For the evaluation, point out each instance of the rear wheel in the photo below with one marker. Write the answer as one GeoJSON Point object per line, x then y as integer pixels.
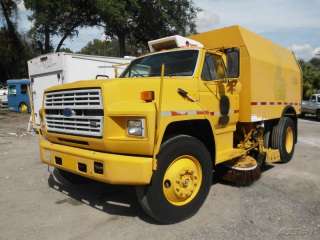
{"type": "Point", "coordinates": [283, 138]}
{"type": "Point", "coordinates": [318, 114]}
{"type": "Point", "coordinates": [181, 183]}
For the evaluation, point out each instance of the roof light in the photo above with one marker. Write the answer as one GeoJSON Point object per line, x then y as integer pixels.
{"type": "Point", "coordinates": [170, 42]}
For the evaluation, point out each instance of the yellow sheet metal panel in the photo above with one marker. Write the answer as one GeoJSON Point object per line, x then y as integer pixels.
{"type": "Point", "coordinates": [117, 169]}
{"type": "Point", "coordinates": [269, 74]}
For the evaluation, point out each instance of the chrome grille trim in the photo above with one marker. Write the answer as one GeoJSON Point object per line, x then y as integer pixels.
{"type": "Point", "coordinates": [87, 118]}
{"type": "Point", "coordinates": [75, 99]}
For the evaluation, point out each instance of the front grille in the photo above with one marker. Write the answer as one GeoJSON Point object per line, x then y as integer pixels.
{"type": "Point", "coordinates": [76, 112]}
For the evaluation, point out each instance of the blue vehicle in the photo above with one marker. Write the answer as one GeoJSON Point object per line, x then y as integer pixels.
{"type": "Point", "coordinates": [18, 98]}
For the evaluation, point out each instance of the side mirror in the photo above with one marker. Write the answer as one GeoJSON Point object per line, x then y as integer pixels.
{"type": "Point", "coordinates": [233, 62]}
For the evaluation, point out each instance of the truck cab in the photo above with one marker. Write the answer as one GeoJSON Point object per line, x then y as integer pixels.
{"type": "Point", "coordinates": [224, 99]}
{"type": "Point", "coordinates": [18, 98]}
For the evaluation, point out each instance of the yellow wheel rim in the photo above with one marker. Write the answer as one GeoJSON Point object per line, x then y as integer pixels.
{"type": "Point", "coordinates": [182, 180]}
{"type": "Point", "coordinates": [289, 139]}
{"type": "Point", "coordinates": [23, 108]}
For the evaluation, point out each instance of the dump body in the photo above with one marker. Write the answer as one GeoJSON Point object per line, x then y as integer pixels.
{"type": "Point", "coordinates": [270, 76]}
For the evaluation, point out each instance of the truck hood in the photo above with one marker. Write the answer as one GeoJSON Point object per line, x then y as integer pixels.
{"type": "Point", "coordinates": [117, 90]}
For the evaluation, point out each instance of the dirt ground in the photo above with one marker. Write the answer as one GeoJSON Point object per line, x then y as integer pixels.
{"type": "Point", "coordinates": [283, 204]}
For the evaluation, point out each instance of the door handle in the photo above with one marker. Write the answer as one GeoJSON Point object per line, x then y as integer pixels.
{"type": "Point", "coordinates": [185, 94]}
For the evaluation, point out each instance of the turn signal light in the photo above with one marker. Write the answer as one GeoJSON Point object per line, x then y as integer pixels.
{"type": "Point", "coordinates": [147, 96]}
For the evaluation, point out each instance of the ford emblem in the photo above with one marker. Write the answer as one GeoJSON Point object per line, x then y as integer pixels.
{"type": "Point", "coordinates": [67, 112]}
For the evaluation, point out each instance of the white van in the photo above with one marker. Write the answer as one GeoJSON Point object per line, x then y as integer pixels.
{"type": "Point", "coordinates": [59, 68]}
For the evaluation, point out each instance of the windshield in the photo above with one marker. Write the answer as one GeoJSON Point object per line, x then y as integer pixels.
{"type": "Point", "coordinates": [177, 63]}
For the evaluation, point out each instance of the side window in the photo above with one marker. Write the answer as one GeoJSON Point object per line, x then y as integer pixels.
{"type": "Point", "coordinates": [313, 98]}
{"type": "Point", "coordinates": [233, 62]}
{"type": "Point", "coordinates": [24, 89]}
{"type": "Point", "coordinates": [318, 99]}
{"type": "Point", "coordinates": [213, 68]}
{"type": "Point", "coordinates": [12, 90]}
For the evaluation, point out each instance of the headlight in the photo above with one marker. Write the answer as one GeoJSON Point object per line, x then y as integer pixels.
{"type": "Point", "coordinates": [136, 127]}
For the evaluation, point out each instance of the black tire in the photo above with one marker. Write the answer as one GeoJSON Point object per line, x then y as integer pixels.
{"type": "Point", "coordinates": [318, 114]}
{"type": "Point", "coordinates": [267, 139]}
{"type": "Point", "coordinates": [152, 198]}
{"type": "Point", "coordinates": [72, 178]}
{"type": "Point", "coordinates": [278, 138]}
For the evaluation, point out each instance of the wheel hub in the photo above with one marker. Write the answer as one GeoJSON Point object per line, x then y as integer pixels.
{"type": "Point", "coordinates": [289, 140]}
{"type": "Point", "coordinates": [182, 180]}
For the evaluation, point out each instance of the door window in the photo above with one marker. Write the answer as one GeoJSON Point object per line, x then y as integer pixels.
{"type": "Point", "coordinates": [24, 89]}
{"type": "Point", "coordinates": [213, 68]}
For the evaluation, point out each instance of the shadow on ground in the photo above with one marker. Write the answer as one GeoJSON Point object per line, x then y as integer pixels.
{"type": "Point", "coordinates": [111, 199]}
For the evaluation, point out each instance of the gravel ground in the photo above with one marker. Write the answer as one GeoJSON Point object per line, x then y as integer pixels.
{"type": "Point", "coordinates": [283, 204]}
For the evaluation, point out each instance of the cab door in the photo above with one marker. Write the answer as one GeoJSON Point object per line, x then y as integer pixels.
{"type": "Point", "coordinates": [219, 93]}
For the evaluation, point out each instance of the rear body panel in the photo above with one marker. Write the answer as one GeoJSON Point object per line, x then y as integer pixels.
{"type": "Point", "coordinates": [270, 76]}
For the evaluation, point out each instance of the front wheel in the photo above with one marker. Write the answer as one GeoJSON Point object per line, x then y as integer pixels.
{"type": "Point", "coordinates": [23, 108]}
{"type": "Point", "coordinates": [181, 183]}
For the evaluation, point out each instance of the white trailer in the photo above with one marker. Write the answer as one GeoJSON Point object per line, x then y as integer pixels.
{"type": "Point", "coordinates": [59, 68]}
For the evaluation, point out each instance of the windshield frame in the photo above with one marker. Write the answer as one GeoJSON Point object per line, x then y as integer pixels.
{"type": "Point", "coordinates": [167, 51]}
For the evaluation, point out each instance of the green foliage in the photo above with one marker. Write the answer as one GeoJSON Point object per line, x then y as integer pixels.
{"type": "Point", "coordinates": [100, 48]}
{"type": "Point", "coordinates": [311, 77]}
{"type": "Point", "coordinates": [14, 48]}
{"type": "Point", "coordinates": [108, 48]}
{"type": "Point", "coordinates": [66, 50]}
{"type": "Point", "coordinates": [138, 21]}
{"type": "Point", "coordinates": [59, 18]}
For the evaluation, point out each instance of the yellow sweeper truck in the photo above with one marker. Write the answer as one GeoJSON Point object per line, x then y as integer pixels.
{"type": "Point", "coordinates": [221, 102]}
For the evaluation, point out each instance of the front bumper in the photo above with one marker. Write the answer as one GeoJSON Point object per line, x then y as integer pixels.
{"type": "Point", "coordinates": [117, 169]}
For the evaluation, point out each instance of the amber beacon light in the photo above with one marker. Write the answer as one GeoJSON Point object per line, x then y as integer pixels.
{"type": "Point", "coordinates": [147, 96]}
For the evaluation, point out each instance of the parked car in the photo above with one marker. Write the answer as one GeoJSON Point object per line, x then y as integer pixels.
{"type": "Point", "coordinates": [18, 98]}
{"type": "Point", "coordinates": [3, 97]}
{"type": "Point", "coordinates": [312, 106]}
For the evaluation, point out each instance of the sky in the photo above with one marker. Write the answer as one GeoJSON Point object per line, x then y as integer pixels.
{"type": "Point", "coordinates": [292, 23]}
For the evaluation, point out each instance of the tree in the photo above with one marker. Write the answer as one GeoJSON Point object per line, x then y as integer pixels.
{"type": "Point", "coordinates": [138, 21]}
{"type": "Point", "coordinates": [101, 48]}
{"type": "Point", "coordinates": [117, 17]}
{"type": "Point", "coordinates": [59, 18]}
{"type": "Point", "coordinates": [107, 48]}
{"type": "Point", "coordinates": [9, 10]}
{"type": "Point", "coordinates": [66, 50]}
{"type": "Point", "coordinates": [14, 49]}
{"type": "Point", "coordinates": [164, 17]}
{"type": "Point", "coordinates": [315, 62]}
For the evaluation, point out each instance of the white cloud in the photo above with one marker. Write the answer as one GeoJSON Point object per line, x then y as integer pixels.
{"type": "Point", "coordinates": [304, 51]}
{"type": "Point", "coordinates": [206, 20]}
{"type": "Point", "coordinates": [260, 16]}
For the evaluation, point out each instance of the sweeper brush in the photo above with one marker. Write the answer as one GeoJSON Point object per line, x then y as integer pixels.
{"type": "Point", "coordinates": [242, 171]}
